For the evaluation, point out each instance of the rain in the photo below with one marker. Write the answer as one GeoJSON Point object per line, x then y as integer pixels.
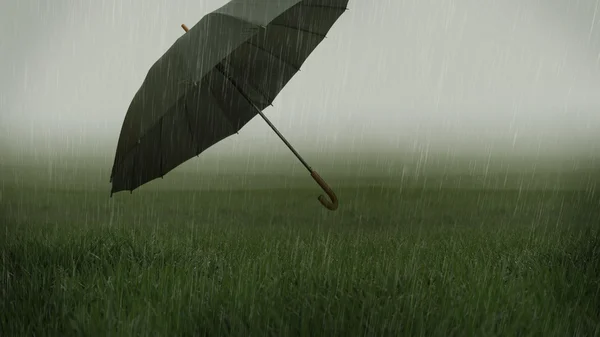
{"type": "Point", "coordinates": [462, 138]}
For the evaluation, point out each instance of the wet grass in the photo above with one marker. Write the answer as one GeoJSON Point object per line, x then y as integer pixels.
{"type": "Point", "coordinates": [393, 261]}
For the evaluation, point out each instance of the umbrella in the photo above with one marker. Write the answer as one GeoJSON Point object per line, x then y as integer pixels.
{"type": "Point", "coordinates": [214, 79]}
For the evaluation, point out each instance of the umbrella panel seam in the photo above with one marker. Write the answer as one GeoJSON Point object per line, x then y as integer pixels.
{"type": "Point", "coordinates": [297, 29]}
{"type": "Point", "coordinates": [250, 83]}
{"type": "Point", "coordinates": [221, 106]}
{"type": "Point", "coordinates": [269, 52]}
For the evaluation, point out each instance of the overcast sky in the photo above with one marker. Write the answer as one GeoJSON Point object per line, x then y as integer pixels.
{"type": "Point", "coordinates": [505, 74]}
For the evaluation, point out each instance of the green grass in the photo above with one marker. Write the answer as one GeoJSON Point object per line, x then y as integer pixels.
{"type": "Point", "coordinates": [402, 259]}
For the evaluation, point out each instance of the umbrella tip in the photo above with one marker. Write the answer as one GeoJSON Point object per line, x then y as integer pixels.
{"type": "Point", "coordinates": [185, 27]}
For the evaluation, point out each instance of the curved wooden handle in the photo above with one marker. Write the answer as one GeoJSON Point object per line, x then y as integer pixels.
{"type": "Point", "coordinates": [330, 205]}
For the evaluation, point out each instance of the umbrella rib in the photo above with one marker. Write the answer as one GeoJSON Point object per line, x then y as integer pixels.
{"type": "Point", "coordinates": [296, 68]}
{"type": "Point", "coordinates": [252, 84]}
{"type": "Point", "coordinates": [298, 29]}
{"type": "Point", "coordinates": [220, 103]}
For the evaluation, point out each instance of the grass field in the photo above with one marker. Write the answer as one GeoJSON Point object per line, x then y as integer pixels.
{"type": "Point", "coordinates": [432, 256]}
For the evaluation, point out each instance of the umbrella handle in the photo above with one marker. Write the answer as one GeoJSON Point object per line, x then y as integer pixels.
{"type": "Point", "coordinates": [330, 205]}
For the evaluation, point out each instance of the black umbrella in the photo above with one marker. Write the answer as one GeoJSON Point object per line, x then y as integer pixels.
{"type": "Point", "coordinates": [214, 79]}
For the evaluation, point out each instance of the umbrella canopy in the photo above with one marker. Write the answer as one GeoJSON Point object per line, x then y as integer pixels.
{"type": "Point", "coordinates": [215, 79]}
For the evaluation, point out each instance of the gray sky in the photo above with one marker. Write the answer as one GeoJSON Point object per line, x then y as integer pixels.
{"type": "Point", "coordinates": [511, 75]}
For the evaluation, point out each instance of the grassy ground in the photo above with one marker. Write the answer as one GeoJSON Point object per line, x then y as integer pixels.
{"type": "Point", "coordinates": [427, 256]}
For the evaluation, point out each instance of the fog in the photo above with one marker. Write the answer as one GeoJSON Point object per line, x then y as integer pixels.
{"type": "Point", "coordinates": [504, 76]}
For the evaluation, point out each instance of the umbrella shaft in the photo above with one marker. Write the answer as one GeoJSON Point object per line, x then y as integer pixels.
{"type": "Point", "coordinates": [284, 140]}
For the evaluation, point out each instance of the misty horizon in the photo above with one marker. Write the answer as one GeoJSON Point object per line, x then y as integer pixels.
{"type": "Point", "coordinates": [466, 77]}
